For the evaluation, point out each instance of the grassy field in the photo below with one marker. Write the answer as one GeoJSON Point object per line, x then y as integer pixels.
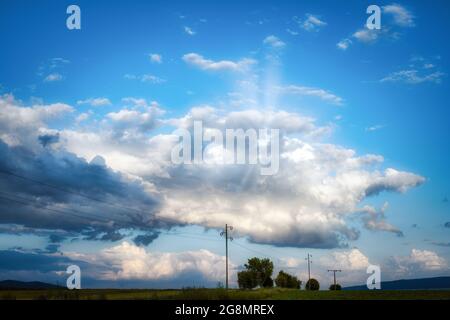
{"type": "Point", "coordinates": [221, 294]}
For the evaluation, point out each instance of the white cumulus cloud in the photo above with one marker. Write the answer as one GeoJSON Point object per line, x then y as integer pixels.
{"type": "Point", "coordinates": [129, 261]}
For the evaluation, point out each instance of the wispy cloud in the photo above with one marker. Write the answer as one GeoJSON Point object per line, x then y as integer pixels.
{"type": "Point", "coordinates": [311, 91]}
{"type": "Point", "coordinates": [145, 78]}
{"type": "Point", "coordinates": [419, 70]}
{"type": "Point", "coordinates": [53, 77]}
{"type": "Point", "coordinates": [312, 23]}
{"type": "Point", "coordinates": [366, 35]}
{"type": "Point", "coordinates": [155, 58]}
{"type": "Point", "coordinates": [292, 32]}
{"type": "Point", "coordinates": [274, 42]}
{"type": "Point", "coordinates": [52, 69]}
{"type": "Point", "coordinates": [413, 76]}
{"type": "Point", "coordinates": [375, 128]}
{"type": "Point", "coordinates": [402, 17]}
{"type": "Point", "coordinates": [362, 35]}
{"type": "Point", "coordinates": [344, 44]}
{"type": "Point", "coordinates": [189, 31]}
{"type": "Point", "coordinates": [57, 62]}
{"type": "Point", "coordinates": [95, 102]}
{"type": "Point", "coordinates": [199, 61]}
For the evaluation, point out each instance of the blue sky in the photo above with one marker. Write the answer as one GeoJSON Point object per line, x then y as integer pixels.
{"type": "Point", "coordinates": [354, 104]}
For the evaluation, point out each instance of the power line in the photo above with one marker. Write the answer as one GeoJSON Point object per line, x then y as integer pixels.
{"type": "Point", "coordinates": [48, 209]}
{"type": "Point", "coordinates": [262, 253]}
{"type": "Point", "coordinates": [256, 251]}
{"type": "Point", "coordinates": [26, 202]}
{"type": "Point", "coordinates": [37, 205]}
{"type": "Point", "coordinates": [52, 186]}
{"type": "Point", "coordinates": [190, 237]}
{"type": "Point", "coordinates": [16, 175]}
{"type": "Point", "coordinates": [195, 234]}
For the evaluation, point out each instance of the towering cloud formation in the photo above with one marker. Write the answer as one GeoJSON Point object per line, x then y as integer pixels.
{"type": "Point", "coordinates": [306, 204]}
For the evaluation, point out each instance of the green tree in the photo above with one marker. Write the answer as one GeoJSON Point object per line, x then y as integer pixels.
{"type": "Point", "coordinates": [285, 280]}
{"type": "Point", "coordinates": [263, 269]}
{"type": "Point", "coordinates": [268, 283]}
{"type": "Point", "coordinates": [336, 287]}
{"type": "Point", "coordinates": [312, 284]}
{"type": "Point", "coordinates": [247, 280]}
{"type": "Point", "coordinates": [258, 272]}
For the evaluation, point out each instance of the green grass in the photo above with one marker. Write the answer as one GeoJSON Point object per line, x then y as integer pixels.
{"type": "Point", "coordinates": [221, 294]}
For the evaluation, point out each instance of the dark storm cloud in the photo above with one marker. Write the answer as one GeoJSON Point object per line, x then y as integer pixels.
{"type": "Point", "coordinates": [56, 190]}
{"type": "Point", "coordinates": [52, 248]}
{"type": "Point", "coordinates": [145, 239]}
{"type": "Point", "coordinates": [56, 238]}
{"type": "Point", "coordinates": [16, 260]}
{"type": "Point", "coordinates": [48, 139]}
{"type": "Point", "coordinates": [38, 265]}
{"type": "Point", "coordinates": [112, 236]}
{"type": "Point", "coordinates": [311, 239]}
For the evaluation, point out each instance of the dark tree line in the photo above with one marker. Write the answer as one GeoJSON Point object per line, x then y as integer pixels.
{"type": "Point", "coordinates": [258, 273]}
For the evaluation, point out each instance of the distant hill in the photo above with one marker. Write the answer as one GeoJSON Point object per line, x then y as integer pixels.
{"type": "Point", "coordinates": [34, 285]}
{"type": "Point", "coordinates": [410, 284]}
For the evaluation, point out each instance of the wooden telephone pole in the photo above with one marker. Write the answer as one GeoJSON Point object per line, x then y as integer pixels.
{"type": "Point", "coordinates": [334, 275]}
{"type": "Point", "coordinates": [225, 234]}
{"type": "Point", "coordinates": [309, 265]}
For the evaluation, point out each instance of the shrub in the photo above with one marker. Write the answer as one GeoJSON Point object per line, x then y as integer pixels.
{"type": "Point", "coordinates": [336, 287]}
{"type": "Point", "coordinates": [312, 285]}
{"type": "Point", "coordinates": [285, 280]}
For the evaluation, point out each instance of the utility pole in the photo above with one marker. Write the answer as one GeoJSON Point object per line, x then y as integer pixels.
{"type": "Point", "coordinates": [334, 275]}
{"type": "Point", "coordinates": [309, 265]}
{"type": "Point", "coordinates": [225, 233]}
